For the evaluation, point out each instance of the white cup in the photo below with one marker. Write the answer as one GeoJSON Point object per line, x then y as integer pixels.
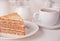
{"type": "Point", "coordinates": [47, 16]}
{"type": "Point", "coordinates": [24, 12]}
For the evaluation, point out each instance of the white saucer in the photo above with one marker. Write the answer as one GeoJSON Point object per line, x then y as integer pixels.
{"type": "Point", "coordinates": [31, 29]}
{"type": "Point", "coordinates": [56, 26]}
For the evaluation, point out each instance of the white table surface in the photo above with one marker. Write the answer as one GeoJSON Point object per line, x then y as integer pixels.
{"type": "Point", "coordinates": [42, 35]}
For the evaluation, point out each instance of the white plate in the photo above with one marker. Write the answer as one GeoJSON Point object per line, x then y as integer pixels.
{"type": "Point", "coordinates": [31, 29]}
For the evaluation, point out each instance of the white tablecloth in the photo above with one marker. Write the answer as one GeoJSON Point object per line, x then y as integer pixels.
{"type": "Point", "coordinates": [42, 35]}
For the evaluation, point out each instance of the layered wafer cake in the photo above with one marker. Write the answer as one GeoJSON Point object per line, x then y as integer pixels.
{"type": "Point", "coordinates": [12, 24]}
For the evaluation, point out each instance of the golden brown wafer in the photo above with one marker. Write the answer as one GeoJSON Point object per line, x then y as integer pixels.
{"type": "Point", "coordinates": [12, 24]}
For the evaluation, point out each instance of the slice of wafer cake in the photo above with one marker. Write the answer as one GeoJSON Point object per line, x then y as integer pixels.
{"type": "Point", "coordinates": [12, 24]}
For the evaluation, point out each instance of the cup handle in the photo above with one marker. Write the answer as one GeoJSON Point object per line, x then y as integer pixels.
{"type": "Point", "coordinates": [35, 16]}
